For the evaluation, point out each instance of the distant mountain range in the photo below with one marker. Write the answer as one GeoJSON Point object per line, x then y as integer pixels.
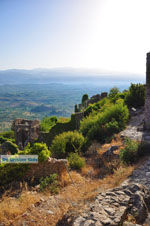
{"type": "Point", "coordinates": [65, 75]}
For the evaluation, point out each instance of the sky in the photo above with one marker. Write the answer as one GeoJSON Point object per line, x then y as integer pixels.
{"type": "Point", "coordinates": [102, 35]}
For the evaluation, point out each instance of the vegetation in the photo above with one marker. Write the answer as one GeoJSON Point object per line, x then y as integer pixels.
{"type": "Point", "coordinates": [8, 134]}
{"type": "Point", "coordinates": [66, 143]}
{"type": "Point", "coordinates": [102, 120]}
{"type": "Point", "coordinates": [11, 172]}
{"type": "Point", "coordinates": [129, 154]}
{"type": "Point", "coordinates": [113, 92]}
{"type": "Point", "coordinates": [47, 123]}
{"type": "Point", "coordinates": [39, 149]}
{"type": "Point", "coordinates": [97, 106]}
{"type": "Point", "coordinates": [51, 183]}
{"type": "Point", "coordinates": [111, 120]}
{"type": "Point", "coordinates": [11, 147]}
{"type": "Point", "coordinates": [136, 95]}
{"type": "Point", "coordinates": [2, 139]}
{"type": "Point", "coordinates": [75, 161]}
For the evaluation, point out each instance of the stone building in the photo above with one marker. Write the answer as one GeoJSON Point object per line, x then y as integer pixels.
{"type": "Point", "coordinates": [147, 98]}
{"type": "Point", "coordinates": [25, 131]}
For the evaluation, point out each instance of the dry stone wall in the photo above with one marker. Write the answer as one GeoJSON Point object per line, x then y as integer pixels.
{"type": "Point", "coordinates": [52, 165]}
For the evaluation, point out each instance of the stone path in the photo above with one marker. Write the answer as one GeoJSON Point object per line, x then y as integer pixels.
{"type": "Point", "coordinates": [131, 198]}
{"type": "Point", "coordinates": [134, 129]}
{"type": "Point", "coordinates": [141, 174]}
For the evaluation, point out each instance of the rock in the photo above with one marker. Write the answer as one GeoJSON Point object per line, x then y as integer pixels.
{"type": "Point", "coordinates": [130, 224]}
{"type": "Point", "coordinates": [42, 200]}
{"type": "Point", "coordinates": [110, 152]}
{"type": "Point", "coordinates": [148, 174]}
{"type": "Point", "coordinates": [50, 212]}
{"type": "Point", "coordinates": [112, 207]}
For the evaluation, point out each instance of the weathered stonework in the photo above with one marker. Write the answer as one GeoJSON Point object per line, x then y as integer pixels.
{"type": "Point", "coordinates": [147, 99]}
{"type": "Point", "coordinates": [78, 117]}
{"type": "Point", "coordinates": [112, 207]}
{"type": "Point", "coordinates": [25, 131]}
{"type": "Point", "coordinates": [92, 100]}
{"type": "Point", "coordinates": [43, 169]}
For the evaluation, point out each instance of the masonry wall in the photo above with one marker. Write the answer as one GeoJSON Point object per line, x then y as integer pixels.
{"type": "Point", "coordinates": [147, 99]}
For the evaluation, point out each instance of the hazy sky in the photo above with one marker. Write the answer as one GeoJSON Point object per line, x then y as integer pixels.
{"type": "Point", "coordinates": [112, 35]}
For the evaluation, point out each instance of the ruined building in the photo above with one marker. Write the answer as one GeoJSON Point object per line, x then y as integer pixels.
{"type": "Point", "coordinates": [25, 131]}
{"type": "Point", "coordinates": [147, 98]}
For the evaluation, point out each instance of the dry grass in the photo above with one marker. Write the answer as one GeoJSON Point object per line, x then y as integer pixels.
{"type": "Point", "coordinates": [77, 190]}
{"type": "Point", "coordinates": [74, 197]}
{"type": "Point", "coordinates": [12, 207]}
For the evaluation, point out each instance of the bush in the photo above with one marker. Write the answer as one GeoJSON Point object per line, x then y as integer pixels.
{"type": "Point", "coordinates": [97, 106]}
{"type": "Point", "coordinates": [11, 172]}
{"type": "Point", "coordinates": [39, 149]}
{"type": "Point", "coordinates": [10, 147]}
{"type": "Point", "coordinates": [47, 123]}
{"type": "Point", "coordinates": [50, 182]}
{"type": "Point", "coordinates": [65, 143]}
{"type": "Point", "coordinates": [2, 139]}
{"type": "Point", "coordinates": [119, 96]}
{"type": "Point", "coordinates": [75, 161]}
{"type": "Point", "coordinates": [8, 134]}
{"type": "Point", "coordinates": [112, 120]}
{"type": "Point", "coordinates": [136, 96]}
{"type": "Point", "coordinates": [129, 154]}
{"type": "Point", "coordinates": [113, 92]}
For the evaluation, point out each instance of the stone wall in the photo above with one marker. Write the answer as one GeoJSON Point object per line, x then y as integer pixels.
{"type": "Point", "coordinates": [147, 99]}
{"type": "Point", "coordinates": [25, 131]}
{"type": "Point", "coordinates": [92, 100]}
{"type": "Point", "coordinates": [52, 165]}
{"type": "Point", "coordinates": [78, 117]}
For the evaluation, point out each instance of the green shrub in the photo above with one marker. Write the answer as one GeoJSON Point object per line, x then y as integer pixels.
{"type": "Point", "coordinates": [50, 182]}
{"type": "Point", "coordinates": [47, 123]}
{"type": "Point", "coordinates": [10, 147]}
{"type": "Point", "coordinates": [119, 96]}
{"type": "Point", "coordinates": [65, 143]}
{"type": "Point", "coordinates": [75, 161]}
{"type": "Point", "coordinates": [105, 102]}
{"type": "Point", "coordinates": [113, 92]}
{"type": "Point", "coordinates": [8, 134]}
{"type": "Point", "coordinates": [118, 112]}
{"type": "Point", "coordinates": [112, 120]}
{"type": "Point", "coordinates": [39, 149]}
{"type": "Point", "coordinates": [11, 172]}
{"type": "Point", "coordinates": [129, 154]}
{"type": "Point", "coordinates": [136, 95]}
{"type": "Point", "coordinates": [2, 139]}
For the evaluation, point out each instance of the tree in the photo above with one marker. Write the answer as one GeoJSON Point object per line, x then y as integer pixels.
{"type": "Point", "coordinates": [113, 92]}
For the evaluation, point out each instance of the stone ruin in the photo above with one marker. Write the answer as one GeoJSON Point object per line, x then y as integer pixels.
{"type": "Point", "coordinates": [80, 108]}
{"type": "Point", "coordinates": [147, 98]}
{"type": "Point", "coordinates": [92, 100]}
{"type": "Point", "coordinates": [43, 169]}
{"type": "Point", "coordinates": [25, 131]}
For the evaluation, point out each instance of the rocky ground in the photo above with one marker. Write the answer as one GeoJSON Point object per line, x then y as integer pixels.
{"type": "Point", "coordinates": [129, 201]}
{"type": "Point", "coordinates": [134, 129]}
